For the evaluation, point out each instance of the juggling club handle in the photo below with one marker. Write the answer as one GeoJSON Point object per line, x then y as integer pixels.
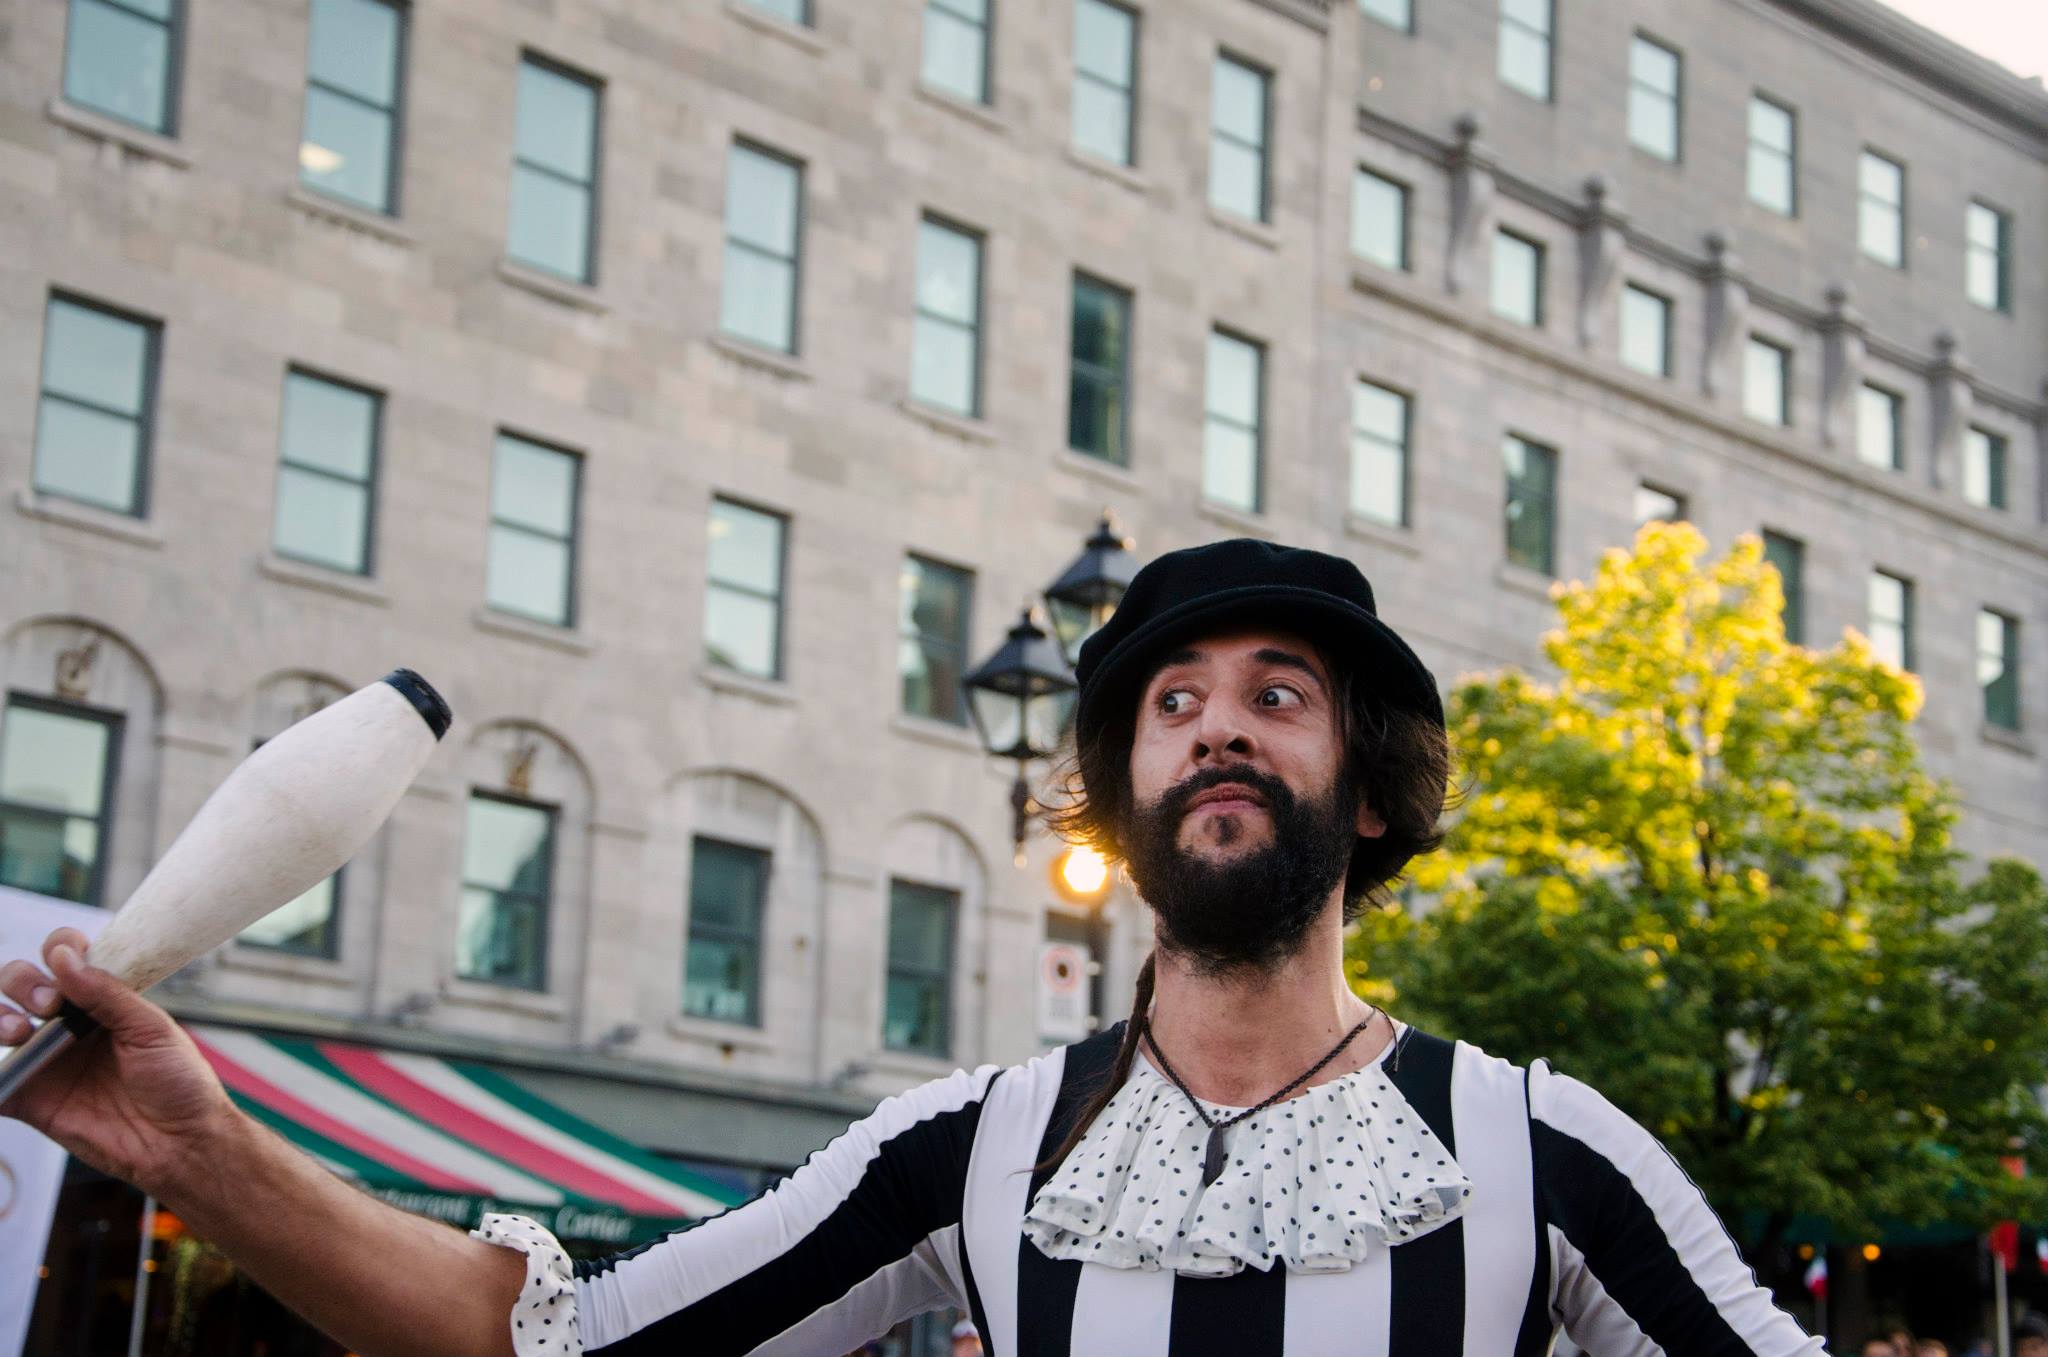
{"type": "Point", "coordinates": [52, 1039]}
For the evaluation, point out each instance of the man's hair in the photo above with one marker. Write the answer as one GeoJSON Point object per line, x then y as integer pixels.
{"type": "Point", "coordinates": [1398, 761]}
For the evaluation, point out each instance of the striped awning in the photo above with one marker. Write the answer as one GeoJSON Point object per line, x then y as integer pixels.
{"type": "Point", "coordinates": [453, 1139]}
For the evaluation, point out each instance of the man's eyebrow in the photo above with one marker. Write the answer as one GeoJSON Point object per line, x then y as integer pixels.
{"type": "Point", "coordinates": [1188, 655]}
{"type": "Point", "coordinates": [1289, 660]}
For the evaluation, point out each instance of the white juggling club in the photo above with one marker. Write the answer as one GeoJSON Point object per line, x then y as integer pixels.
{"type": "Point", "coordinates": [290, 814]}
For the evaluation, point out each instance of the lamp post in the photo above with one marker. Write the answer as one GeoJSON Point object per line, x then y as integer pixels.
{"type": "Point", "coordinates": [1020, 698]}
{"type": "Point", "coordinates": [1088, 590]}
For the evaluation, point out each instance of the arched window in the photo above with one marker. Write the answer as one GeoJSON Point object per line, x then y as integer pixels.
{"type": "Point", "coordinates": [933, 967]}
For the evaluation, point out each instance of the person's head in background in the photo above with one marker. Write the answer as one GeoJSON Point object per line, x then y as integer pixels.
{"type": "Point", "coordinates": [2030, 1335]}
{"type": "Point", "coordinates": [1930, 1347]}
{"type": "Point", "coordinates": [966, 1340]}
{"type": "Point", "coordinates": [1877, 1345]}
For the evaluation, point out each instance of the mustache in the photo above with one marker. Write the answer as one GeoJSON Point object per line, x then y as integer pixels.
{"type": "Point", "coordinates": [1176, 801]}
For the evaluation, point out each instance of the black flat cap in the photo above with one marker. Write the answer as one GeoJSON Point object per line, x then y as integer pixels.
{"type": "Point", "coordinates": [1247, 582]}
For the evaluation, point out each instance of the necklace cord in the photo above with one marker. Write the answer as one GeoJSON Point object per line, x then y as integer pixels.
{"type": "Point", "coordinates": [1296, 1083]}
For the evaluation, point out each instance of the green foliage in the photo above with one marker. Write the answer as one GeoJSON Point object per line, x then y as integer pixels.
{"type": "Point", "coordinates": [1705, 872]}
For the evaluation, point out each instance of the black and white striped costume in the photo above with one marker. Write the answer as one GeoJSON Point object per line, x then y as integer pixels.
{"type": "Point", "coordinates": [1576, 1218]}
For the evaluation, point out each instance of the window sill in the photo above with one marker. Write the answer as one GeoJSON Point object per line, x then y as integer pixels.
{"type": "Point", "coordinates": [785, 365]}
{"type": "Point", "coordinates": [1095, 468]}
{"type": "Point", "coordinates": [315, 970]}
{"type": "Point", "coordinates": [309, 576]}
{"type": "Point", "coordinates": [360, 219]}
{"type": "Point", "coordinates": [1257, 232]}
{"type": "Point", "coordinates": [928, 730]}
{"type": "Point", "coordinates": [732, 1036]}
{"type": "Point", "coordinates": [143, 143]}
{"type": "Point", "coordinates": [582, 296]}
{"type": "Point", "coordinates": [796, 34]}
{"type": "Point", "coordinates": [565, 639]}
{"type": "Point", "coordinates": [773, 692]}
{"type": "Point", "coordinates": [1386, 535]}
{"type": "Point", "coordinates": [1246, 522]}
{"type": "Point", "coordinates": [107, 523]}
{"type": "Point", "coordinates": [1522, 579]}
{"type": "Point", "coordinates": [2014, 740]}
{"type": "Point", "coordinates": [503, 998]}
{"type": "Point", "coordinates": [1121, 175]}
{"type": "Point", "coordinates": [973, 428]}
{"type": "Point", "coordinates": [981, 114]}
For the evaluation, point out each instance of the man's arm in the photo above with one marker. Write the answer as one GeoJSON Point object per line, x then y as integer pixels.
{"type": "Point", "coordinates": [140, 1102]}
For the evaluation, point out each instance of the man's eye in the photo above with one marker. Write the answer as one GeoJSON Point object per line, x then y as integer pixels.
{"type": "Point", "coordinates": [1277, 696]}
{"type": "Point", "coordinates": [1175, 701]}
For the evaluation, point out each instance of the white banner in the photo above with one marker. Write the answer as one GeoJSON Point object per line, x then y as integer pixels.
{"type": "Point", "coordinates": [31, 1167]}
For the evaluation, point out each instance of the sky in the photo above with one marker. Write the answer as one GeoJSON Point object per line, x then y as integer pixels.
{"type": "Point", "coordinates": [2013, 33]}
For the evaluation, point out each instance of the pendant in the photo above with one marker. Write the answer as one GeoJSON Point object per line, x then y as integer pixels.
{"type": "Point", "coordinates": [1212, 1158]}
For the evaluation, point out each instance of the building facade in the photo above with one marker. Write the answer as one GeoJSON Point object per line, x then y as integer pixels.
{"type": "Point", "coordinates": [691, 390]}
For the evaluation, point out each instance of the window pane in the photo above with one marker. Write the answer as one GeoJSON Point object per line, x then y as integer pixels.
{"type": "Point", "coordinates": [1764, 382]}
{"type": "Point", "coordinates": [1788, 555]}
{"type": "Point", "coordinates": [1531, 483]}
{"type": "Point", "coordinates": [1237, 102]}
{"type": "Point", "coordinates": [1095, 416]}
{"type": "Point", "coordinates": [85, 455]}
{"type": "Point", "coordinates": [915, 1017]}
{"type": "Point", "coordinates": [1379, 421]}
{"type": "Point", "coordinates": [1102, 121]}
{"type": "Point", "coordinates": [346, 150]}
{"type": "Point", "coordinates": [1379, 220]}
{"type": "Point", "coordinates": [727, 885]}
{"type": "Point", "coordinates": [1393, 13]}
{"type": "Point", "coordinates": [328, 426]}
{"type": "Point", "coordinates": [49, 854]}
{"type": "Point", "coordinates": [1878, 229]}
{"type": "Point", "coordinates": [761, 201]}
{"type": "Point", "coordinates": [1770, 125]}
{"type": "Point", "coordinates": [528, 574]}
{"type": "Point", "coordinates": [790, 11]}
{"type": "Point", "coordinates": [1653, 66]}
{"type": "Point", "coordinates": [499, 939]}
{"type": "Point", "coordinates": [1982, 280]}
{"type": "Point", "coordinates": [740, 632]}
{"type": "Point", "coordinates": [1230, 466]}
{"type": "Point", "coordinates": [550, 224]}
{"type": "Point", "coordinates": [1525, 61]}
{"type": "Point", "coordinates": [1233, 379]}
{"type": "Point", "coordinates": [1653, 123]}
{"type": "Point", "coordinates": [1103, 40]}
{"type": "Point", "coordinates": [948, 272]}
{"type": "Point", "coordinates": [354, 47]}
{"type": "Point", "coordinates": [955, 55]}
{"type": "Point", "coordinates": [1984, 469]}
{"type": "Point", "coordinates": [942, 366]}
{"type": "Point", "coordinates": [920, 927]}
{"type": "Point", "coordinates": [533, 486]}
{"type": "Point", "coordinates": [930, 680]}
{"type": "Point", "coordinates": [1657, 506]}
{"type": "Point", "coordinates": [758, 303]}
{"type": "Point", "coordinates": [1770, 180]}
{"type": "Point", "coordinates": [322, 519]}
{"type": "Point", "coordinates": [1530, 14]}
{"type": "Point", "coordinates": [53, 761]}
{"type": "Point", "coordinates": [118, 63]}
{"type": "Point", "coordinates": [1882, 179]}
{"type": "Point", "coordinates": [935, 601]}
{"type": "Point", "coordinates": [1517, 279]}
{"type": "Point", "coordinates": [746, 547]}
{"type": "Point", "coordinates": [95, 357]}
{"type": "Point", "coordinates": [505, 846]}
{"type": "Point", "coordinates": [1100, 363]}
{"type": "Point", "coordinates": [1998, 668]}
{"type": "Point", "coordinates": [1236, 179]}
{"type": "Point", "coordinates": [557, 122]}
{"type": "Point", "coordinates": [721, 976]}
{"type": "Point", "coordinates": [1877, 427]}
{"type": "Point", "coordinates": [304, 925]}
{"type": "Point", "coordinates": [1645, 331]}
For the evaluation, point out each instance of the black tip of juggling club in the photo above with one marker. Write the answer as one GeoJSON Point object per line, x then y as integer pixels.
{"type": "Point", "coordinates": [432, 707]}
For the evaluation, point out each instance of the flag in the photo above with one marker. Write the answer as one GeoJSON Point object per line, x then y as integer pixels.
{"type": "Point", "coordinates": [1816, 1278]}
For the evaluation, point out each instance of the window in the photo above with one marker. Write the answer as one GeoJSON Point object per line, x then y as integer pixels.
{"type": "Point", "coordinates": [956, 47]}
{"type": "Point", "coordinates": [1645, 331]}
{"type": "Point", "coordinates": [1998, 668]}
{"type": "Point", "coordinates": [346, 148]}
{"type": "Point", "coordinates": [1531, 503]}
{"type": "Point", "coordinates": [1988, 267]}
{"type": "Point", "coordinates": [507, 880]}
{"type": "Point", "coordinates": [1881, 209]}
{"type": "Point", "coordinates": [1984, 469]}
{"type": "Point", "coordinates": [120, 59]}
{"type": "Point", "coordinates": [1788, 554]}
{"type": "Point", "coordinates": [1517, 278]}
{"type": "Point", "coordinates": [1767, 381]}
{"type": "Point", "coordinates": [1379, 454]}
{"type": "Point", "coordinates": [1398, 15]}
{"type": "Point", "coordinates": [789, 11]}
{"type": "Point", "coordinates": [1098, 384]}
{"type": "Point", "coordinates": [1234, 394]}
{"type": "Point", "coordinates": [1653, 505]}
{"type": "Point", "coordinates": [1379, 219]}
{"type": "Point", "coordinates": [554, 171]}
{"type": "Point", "coordinates": [304, 926]}
{"type": "Point", "coordinates": [1653, 74]}
{"type": "Point", "coordinates": [1879, 428]}
{"type": "Point", "coordinates": [1105, 79]}
{"type": "Point", "coordinates": [931, 654]}
{"type": "Point", "coordinates": [945, 361]}
{"type": "Point", "coordinates": [327, 468]}
{"type": "Point", "coordinates": [918, 1007]}
{"type": "Point", "coordinates": [722, 963]}
{"type": "Point", "coordinates": [532, 568]}
{"type": "Point", "coordinates": [98, 398]}
{"type": "Point", "coordinates": [1891, 619]}
{"type": "Point", "coordinates": [763, 219]}
{"type": "Point", "coordinates": [56, 787]}
{"type": "Point", "coordinates": [1525, 32]}
{"type": "Point", "coordinates": [1773, 157]}
{"type": "Point", "coordinates": [1239, 105]}
{"type": "Point", "coordinates": [743, 602]}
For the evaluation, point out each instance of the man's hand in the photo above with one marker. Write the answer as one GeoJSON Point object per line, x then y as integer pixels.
{"type": "Point", "coordinates": [137, 1101]}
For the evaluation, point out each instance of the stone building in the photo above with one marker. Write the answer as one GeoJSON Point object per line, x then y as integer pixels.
{"type": "Point", "coordinates": [690, 389]}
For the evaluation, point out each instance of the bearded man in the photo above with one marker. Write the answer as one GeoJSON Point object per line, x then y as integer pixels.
{"type": "Point", "coordinates": [1255, 1163]}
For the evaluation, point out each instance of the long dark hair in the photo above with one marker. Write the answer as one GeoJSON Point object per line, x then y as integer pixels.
{"type": "Point", "coordinates": [1399, 760]}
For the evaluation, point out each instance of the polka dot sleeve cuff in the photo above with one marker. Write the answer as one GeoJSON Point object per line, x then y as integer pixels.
{"type": "Point", "coordinates": [544, 1319]}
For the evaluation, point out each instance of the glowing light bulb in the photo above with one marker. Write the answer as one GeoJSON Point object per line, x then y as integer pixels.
{"type": "Point", "coordinates": [1083, 872]}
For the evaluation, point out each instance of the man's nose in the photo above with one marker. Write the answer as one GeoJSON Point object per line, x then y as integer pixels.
{"type": "Point", "coordinates": [1224, 730]}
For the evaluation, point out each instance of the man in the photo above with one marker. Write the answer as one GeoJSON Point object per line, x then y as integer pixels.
{"type": "Point", "coordinates": [1257, 1163]}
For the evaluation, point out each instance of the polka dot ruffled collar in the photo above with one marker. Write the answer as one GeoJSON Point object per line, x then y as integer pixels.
{"type": "Point", "coordinates": [1315, 1183]}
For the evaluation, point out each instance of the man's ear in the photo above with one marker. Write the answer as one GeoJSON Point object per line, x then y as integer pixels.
{"type": "Point", "coordinates": [1370, 825]}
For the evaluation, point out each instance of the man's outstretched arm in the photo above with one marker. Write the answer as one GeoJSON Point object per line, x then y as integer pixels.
{"type": "Point", "coordinates": [140, 1102]}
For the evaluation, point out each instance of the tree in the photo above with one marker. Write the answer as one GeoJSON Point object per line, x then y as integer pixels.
{"type": "Point", "coordinates": [1705, 872]}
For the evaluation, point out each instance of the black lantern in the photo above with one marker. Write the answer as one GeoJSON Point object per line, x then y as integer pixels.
{"type": "Point", "coordinates": [1020, 698]}
{"type": "Point", "coordinates": [1088, 590]}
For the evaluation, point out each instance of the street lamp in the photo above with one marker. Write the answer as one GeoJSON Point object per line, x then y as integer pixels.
{"type": "Point", "coordinates": [1091, 586]}
{"type": "Point", "coordinates": [1020, 698]}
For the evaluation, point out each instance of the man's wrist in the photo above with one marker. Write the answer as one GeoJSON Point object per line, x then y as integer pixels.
{"type": "Point", "coordinates": [205, 1161]}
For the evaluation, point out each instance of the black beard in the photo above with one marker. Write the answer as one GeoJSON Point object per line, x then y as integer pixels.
{"type": "Point", "coordinates": [1251, 912]}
